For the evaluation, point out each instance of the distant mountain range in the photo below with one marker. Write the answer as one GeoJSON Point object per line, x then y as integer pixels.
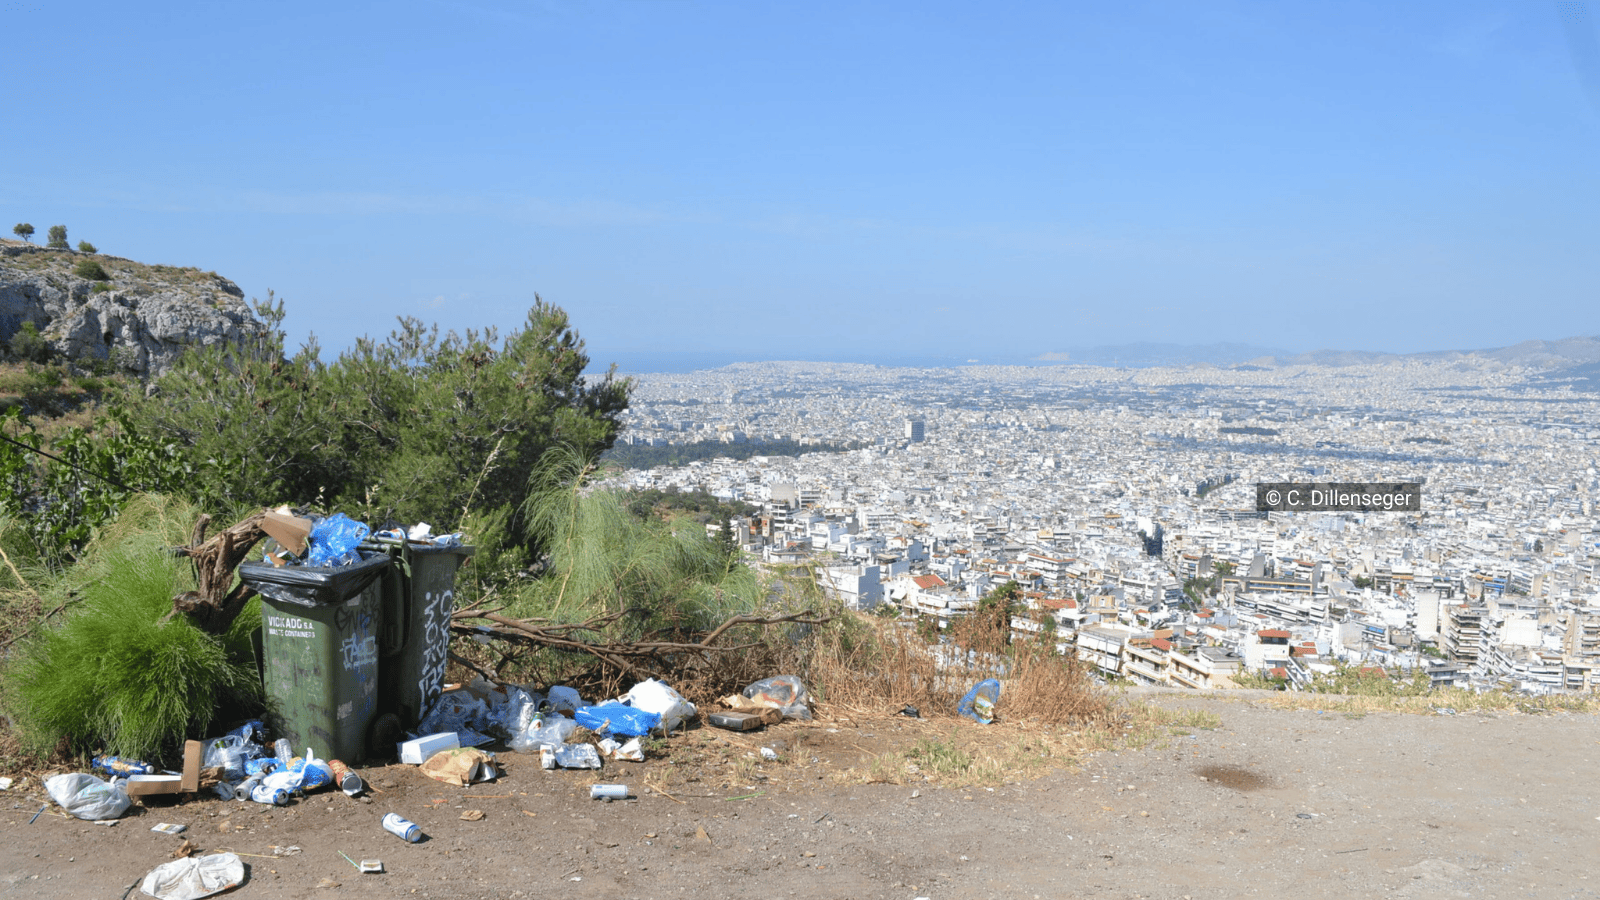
{"type": "Point", "coordinates": [1564, 354]}
{"type": "Point", "coordinates": [1560, 354]}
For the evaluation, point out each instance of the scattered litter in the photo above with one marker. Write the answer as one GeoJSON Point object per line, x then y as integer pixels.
{"type": "Point", "coordinates": [117, 767]}
{"type": "Point", "coordinates": [415, 752]}
{"type": "Point", "coordinates": [654, 696]}
{"type": "Point", "coordinates": [165, 828]}
{"type": "Point", "coordinates": [460, 766]}
{"type": "Point", "coordinates": [402, 827]}
{"type": "Point", "coordinates": [285, 851]}
{"type": "Point", "coordinates": [979, 703]}
{"type": "Point", "coordinates": [608, 792]}
{"type": "Point", "coordinates": [611, 718]}
{"type": "Point", "coordinates": [769, 754]}
{"type": "Point", "coordinates": [472, 815]}
{"type": "Point", "coordinates": [371, 866]}
{"type": "Point", "coordinates": [1303, 816]}
{"type": "Point", "coordinates": [911, 711]}
{"type": "Point", "coordinates": [564, 699]}
{"type": "Point", "coordinates": [1444, 711]}
{"type": "Point", "coordinates": [632, 751]}
{"type": "Point", "coordinates": [548, 732]}
{"type": "Point", "coordinates": [194, 877]}
{"type": "Point", "coordinates": [781, 692]}
{"type": "Point", "coordinates": [5, 784]}
{"type": "Point", "coordinates": [87, 797]}
{"type": "Point", "coordinates": [570, 756]}
{"type": "Point", "coordinates": [744, 721]}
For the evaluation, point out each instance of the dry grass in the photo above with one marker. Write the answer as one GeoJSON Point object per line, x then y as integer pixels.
{"type": "Point", "coordinates": [1445, 701]}
{"type": "Point", "coordinates": [864, 664]}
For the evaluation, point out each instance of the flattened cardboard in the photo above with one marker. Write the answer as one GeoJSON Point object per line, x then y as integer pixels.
{"type": "Point", "coordinates": [290, 531]}
{"type": "Point", "coordinates": [187, 783]}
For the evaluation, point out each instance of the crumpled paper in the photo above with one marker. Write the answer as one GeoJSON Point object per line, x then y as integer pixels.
{"type": "Point", "coordinates": [461, 766]}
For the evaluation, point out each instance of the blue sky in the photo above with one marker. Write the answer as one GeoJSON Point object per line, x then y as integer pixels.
{"type": "Point", "coordinates": [768, 180]}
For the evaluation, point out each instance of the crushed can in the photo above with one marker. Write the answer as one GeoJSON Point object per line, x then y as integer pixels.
{"type": "Point", "coordinates": [270, 796]}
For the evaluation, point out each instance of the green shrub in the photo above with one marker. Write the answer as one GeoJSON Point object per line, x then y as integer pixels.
{"type": "Point", "coordinates": [114, 676]}
{"type": "Point", "coordinates": [28, 344]}
{"type": "Point", "coordinates": [92, 270]}
{"type": "Point", "coordinates": [58, 238]}
{"type": "Point", "coordinates": [86, 247]}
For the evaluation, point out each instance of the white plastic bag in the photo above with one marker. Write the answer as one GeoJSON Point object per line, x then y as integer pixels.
{"type": "Point", "coordinates": [564, 699]}
{"type": "Point", "coordinates": [194, 877]}
{"type": "Point", "coordinates": [657, 697]}
{"type": "Point", "coordinates": [87, 797]}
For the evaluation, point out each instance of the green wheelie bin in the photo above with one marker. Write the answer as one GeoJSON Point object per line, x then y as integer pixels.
{"type": "Point", "coordinates": [320, 652]}
{"type": "Point", "coordinates": [418, 597]}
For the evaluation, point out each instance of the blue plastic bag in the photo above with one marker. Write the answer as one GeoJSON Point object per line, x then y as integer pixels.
{"type": "Point", "coordinates": [612, 717]}
{"type": "Point", "coordinates": [334, 541]}
{"type": "Point", "coordinates": [979, 703]}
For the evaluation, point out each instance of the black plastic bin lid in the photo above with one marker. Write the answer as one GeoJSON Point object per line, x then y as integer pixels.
{"type": "Point", "coordinates": [313, 585]}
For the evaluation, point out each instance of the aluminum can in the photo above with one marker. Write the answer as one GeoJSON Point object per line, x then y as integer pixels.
{"type": "Point", "coordinates": [271, 796]}
{"type": "Point", "coordinates": [402, 827]}
{"type": "Point", "coordinates": [348, 781]}
{"type": "Point", "coordinates": [608, 792]}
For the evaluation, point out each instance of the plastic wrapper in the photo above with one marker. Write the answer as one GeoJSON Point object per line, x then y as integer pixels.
{"type": "Point", "coordinates": [654, 696]}
{"type": "Point", "coordinates": [617, 718]}
{"type": "Point", "coordinates": [782, 692]}
{"type": "Point", "coordinates": [519, 711]}
{"type": "Point", "coordinates": [334, 540]}
{"type": "Point", "coordinates": [87, 797]}
{"type": "Point", "coordinates": [979, 703]}
{"type": "Point", "coordinates": [633, 750]}
{"type": "Point", "coordinates": [577, 756]}
{"type": "Point", "coordinates": [552, 731]}
{"type": "Point", "coordinates": [456, 711]}
{"type": "Point", "coordinates": [194, 877]}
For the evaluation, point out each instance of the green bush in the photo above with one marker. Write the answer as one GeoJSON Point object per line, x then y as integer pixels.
{"type": "Point", "coordinates": [86, 247]}
{"type": "Point", "coordinates": [58, 238]}
{"type": "Point", "coordinates": [28, 344]}
{"type": "Point", "coordinates": [92, 270]}
{"type": "Point", "coordinates": [115, 676]}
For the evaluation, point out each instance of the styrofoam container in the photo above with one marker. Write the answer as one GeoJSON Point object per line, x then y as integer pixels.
{"type": "Point", "coordinates": [416, 752]}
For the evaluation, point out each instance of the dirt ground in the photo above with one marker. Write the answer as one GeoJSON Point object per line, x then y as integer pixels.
{"type": "Point", "coordinates": [1272, 804]}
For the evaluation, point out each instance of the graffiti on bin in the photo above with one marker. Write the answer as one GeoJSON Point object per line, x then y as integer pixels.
{"type": "Point", "coordinates": [436, 643]}
{"type": "Point", "coordinates": [359, 652]}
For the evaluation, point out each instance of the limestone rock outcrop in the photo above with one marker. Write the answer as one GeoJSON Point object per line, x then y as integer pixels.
{"type": "Point", "coordinates": [140, 319]}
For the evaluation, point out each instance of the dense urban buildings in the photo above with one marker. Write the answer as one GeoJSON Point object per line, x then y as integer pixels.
{"type": "Point", "coordinates": [1123, 502]}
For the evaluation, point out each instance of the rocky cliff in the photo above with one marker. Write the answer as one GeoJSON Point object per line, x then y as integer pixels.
{"type": "Point", "coordinates": [140, 318]}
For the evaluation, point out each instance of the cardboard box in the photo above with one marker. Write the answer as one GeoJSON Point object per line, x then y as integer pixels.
{"type": "Point", "coordinates": [187, 783]}
{"type": "Point", "coordinates": [290, 531]}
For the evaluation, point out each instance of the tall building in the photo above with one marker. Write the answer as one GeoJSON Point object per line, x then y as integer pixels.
{"type": "Point", "coordinates": [914, 430]}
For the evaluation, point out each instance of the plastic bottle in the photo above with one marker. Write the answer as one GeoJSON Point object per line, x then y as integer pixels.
{"type": "Point", "coordinates": [402, 827]}
{"type": "Point", "coordinates": [116, 765]}
{"type": "Point", "coordinates": [282, 750]}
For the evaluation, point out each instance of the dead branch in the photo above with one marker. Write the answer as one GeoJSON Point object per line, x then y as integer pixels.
{"type": "Point", "coordinates": [632, 657]}
{"type": "Point", "coordinates": [217, 601]}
